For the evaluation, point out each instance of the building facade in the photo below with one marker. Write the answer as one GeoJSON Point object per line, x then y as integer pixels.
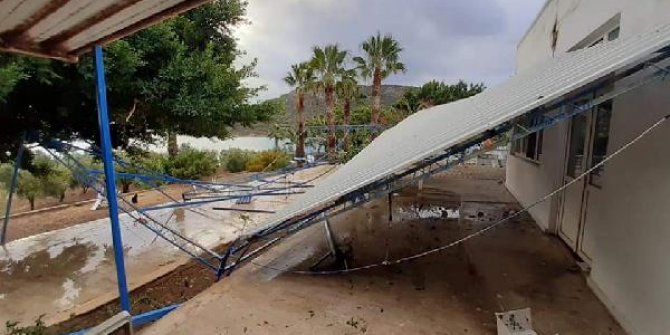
{"type": "Point", "coordinates": [617, 218]}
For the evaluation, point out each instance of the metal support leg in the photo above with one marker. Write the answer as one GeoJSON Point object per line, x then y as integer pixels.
{"type": "Point", "coordinates": [390, 206]}
{"type": "Point", "coordinates": [110, 182]}
{"type": "Point", "coordinates": [222, 263]}
{"type": "Point", "coordinates": [12, 187]}
{"type": "Point", "coordinates": [329, 235]}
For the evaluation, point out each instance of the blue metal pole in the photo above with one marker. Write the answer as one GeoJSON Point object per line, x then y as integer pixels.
{"type": "Point", "coordinates": [110, 182]}
{"type": "Point", "coordinates": [12, 187]}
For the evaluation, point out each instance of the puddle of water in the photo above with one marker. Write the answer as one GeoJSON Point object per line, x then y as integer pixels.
{"type": "Point", "coordinates": [481, 212]}
{"type": "Point", "coordinates": [59, 270]}
{"type": "Point", "coordinates": [71, 292]}
{"type": "Point", "coordinates": [426, 212]}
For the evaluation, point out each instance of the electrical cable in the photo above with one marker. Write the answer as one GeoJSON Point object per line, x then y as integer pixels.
{"type": "Point", "coordinates": [487, 228]}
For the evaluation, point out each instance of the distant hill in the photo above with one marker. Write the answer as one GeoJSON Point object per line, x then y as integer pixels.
{"type": "Point", "coordinates": [316, 104]}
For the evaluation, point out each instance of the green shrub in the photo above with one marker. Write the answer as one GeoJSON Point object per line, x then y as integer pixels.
{"type": "Point", "coordinates": [192, 164]}
{"type": "Point", "coordinates": [268, 161]}
{"type": "Point", "coordinates": [235, 160]}
{"type": "Point", "coordinates": [87, 161]}
{"type": "Point", "coordinates": [42, 165]}
{"type": "Point", "coordinates": [142, 163]}
{"type": "Point", "coordinates": [154, 163]}
{"type": "Point", "coordinates": [6, 171]}
{"type": "Point", "coordinates": [30, 187]}
{"type": "Point", "coordinates": [3, 201]}
{"type": "Point", "coordinates": [56, 182]}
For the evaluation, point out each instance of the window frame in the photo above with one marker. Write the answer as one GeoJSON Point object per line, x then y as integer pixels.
{"type": "Point", "coordinates": [608, 36]}
{"type": "Point", "coordinates": [595, 112]}
{"type": "Point", "coordinates": [519, 147]}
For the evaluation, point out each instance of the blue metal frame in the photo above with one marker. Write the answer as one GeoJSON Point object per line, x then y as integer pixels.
{"type": "Point", "coordinates": [207, 257]}
{"type": "Point", "coordinates": [12, 187]}
{"type": "Point", "coordinates": [144, 318]}
{"type": "Point", "coordinates": [110, 181]}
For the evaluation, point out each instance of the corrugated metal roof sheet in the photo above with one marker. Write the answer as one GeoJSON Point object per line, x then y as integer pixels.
{"type": "Point", "coordinates": [432, 131]}
{"type": "Point", "coordinates": [64, 29]}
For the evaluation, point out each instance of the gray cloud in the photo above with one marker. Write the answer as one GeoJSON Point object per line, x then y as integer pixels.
{"type": "Point", "coordinates": [443, 39]}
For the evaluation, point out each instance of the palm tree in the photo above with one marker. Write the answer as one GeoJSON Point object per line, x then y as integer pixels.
{"type": "Point", "coordinates": [381, 59]}
{"type": "Point", "coordinates": [347, 90]}
{"type": "Point", "coordinates": [328, 66]}
{"type": "Point", "coordinates": [301, 77]}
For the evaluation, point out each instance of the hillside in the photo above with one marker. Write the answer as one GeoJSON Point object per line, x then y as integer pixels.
{"type": "Point", "coordinates": [315, 104]}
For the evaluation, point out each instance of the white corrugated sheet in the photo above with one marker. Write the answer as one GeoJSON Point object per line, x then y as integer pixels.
{"type": "Point", "coordinates": [64, 29]}
{"type": "Point", "coordinates": [435, 130]}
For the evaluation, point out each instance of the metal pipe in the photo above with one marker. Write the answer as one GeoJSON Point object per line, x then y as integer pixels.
{"type": "Point", "coordinates": [329, 236]}
{"type": "Point", "coordinates": [242, 210]}
{"type": "Point", "coordinates": [110, 182]}
{"type": "Point", "coordinates": [12, 187]}
{"type": "Point", "coordinates": [390, 206]}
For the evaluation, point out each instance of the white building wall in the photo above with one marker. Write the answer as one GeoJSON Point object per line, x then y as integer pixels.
{"type": "Point", "coordinates": [627, 224]}
{"type": "Point", "coordinates": [529, 181]}
{"type": "Point", "coordinates": [630, 223]}
{"type": "Point", "coordinates": [575, 20]}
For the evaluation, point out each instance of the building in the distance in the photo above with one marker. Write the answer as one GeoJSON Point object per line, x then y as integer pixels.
{"type": "Point", "coordinates": [617, 219]}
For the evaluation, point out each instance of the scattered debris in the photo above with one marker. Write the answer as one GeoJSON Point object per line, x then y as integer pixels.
{"type": "Point", "coordinates": [358, 323]}
{"type": "Point", "coordinates": [515, 322]}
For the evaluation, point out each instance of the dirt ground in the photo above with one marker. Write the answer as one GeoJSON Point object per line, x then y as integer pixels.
{"type": "Point", "coordinates": [455, 291]}
{"type": "Point", "coordinates": [77, 211]}
{"type": "Point", "coordinates": [178, 286]}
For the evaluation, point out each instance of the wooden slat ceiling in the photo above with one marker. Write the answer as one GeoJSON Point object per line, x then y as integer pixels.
{"type": "Point", "coordinates": [64, 29]}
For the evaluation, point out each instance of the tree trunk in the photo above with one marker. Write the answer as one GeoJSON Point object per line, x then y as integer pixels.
{"type": "Point", "coordinates": [300, 146]}
{"type": "Point", "coordinates": [61, 198]}
{"type": "Point", "coordinates": [172, 145]}
{"type": "Point", "coordinates": [376, 96]}
{"type": "Point", "coordinates": [125, 187]}
{"type": "Point", "coordinates": [346, 109]}
{"type": "Point", "coordinates": [32, 203]}
{"type": "Point", "coordinates": [330, 120]}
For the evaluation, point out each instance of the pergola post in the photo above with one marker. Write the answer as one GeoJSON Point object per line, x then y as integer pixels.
{"type": "Point", "coordinates": [110, 180]}
{"type": "Point", "coordinates": [12, 189]}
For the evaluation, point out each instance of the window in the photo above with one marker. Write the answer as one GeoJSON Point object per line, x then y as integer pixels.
{"type": "Point", "coordinates": [601, 131]}
{"type": "Point", "coordinates": [613, 34]}
{"type": "Point", "coordinates": [610, 35]}
{"type": "Point", "coordinates": [529, 146]}
{"type": "Point", "coordinates": [576, 149]}
{"type": "Point", "coordinates": [598, 41]}
{"type": "Point", "coordinates": [589, 135]}
{"type": "Point", "coordinates": [608, 31]}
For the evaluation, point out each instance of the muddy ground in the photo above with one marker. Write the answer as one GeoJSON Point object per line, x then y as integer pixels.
{"type": "Point", "coordinates": [176, 287]}
{"type": "Point", "coordinates": [455, 291]}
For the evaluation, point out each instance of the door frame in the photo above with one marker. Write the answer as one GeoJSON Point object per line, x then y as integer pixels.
{"type": "Point", "coordinates": [576, 245]}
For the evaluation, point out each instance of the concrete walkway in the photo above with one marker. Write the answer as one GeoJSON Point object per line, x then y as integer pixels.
{"type": "Point", "coordinates": [454, 292]}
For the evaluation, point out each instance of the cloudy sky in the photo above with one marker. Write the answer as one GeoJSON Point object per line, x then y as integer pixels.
{"type": "Point", "coordinates": [446, 40]}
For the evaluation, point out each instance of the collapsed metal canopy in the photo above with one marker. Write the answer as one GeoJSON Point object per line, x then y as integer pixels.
{"type": "Point", "coordinates": [64, 29]}
{"type": "Point", "coordinates": [432, 132]}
